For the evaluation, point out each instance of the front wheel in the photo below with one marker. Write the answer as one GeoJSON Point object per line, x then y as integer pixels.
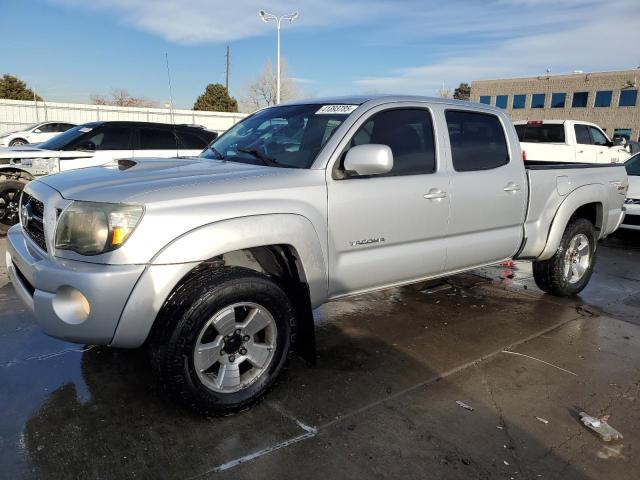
{"type": "Point", "coordinates": [569, 270]}
{"type": "Point", "coordinates": [223, 338]}
{"type": "Point", "coordinates": [10, 191]}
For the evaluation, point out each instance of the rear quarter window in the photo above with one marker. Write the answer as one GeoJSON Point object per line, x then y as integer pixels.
{"type": "Point", "coordinates": [541, 133]}
{"type": "Point", "coordinates": [477, 141]}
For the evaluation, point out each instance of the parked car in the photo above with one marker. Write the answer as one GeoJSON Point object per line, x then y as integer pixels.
{"type": "Point", "coordinates": [632, 202]}
{"type": "Point", "coordinates": [216, 263]}
{"type": "Point", "coordinates": [88, 145]}
{"type": "Point", "coordinates": [568, 141]}
{"type": "Point", "coordinates": [40, 132]}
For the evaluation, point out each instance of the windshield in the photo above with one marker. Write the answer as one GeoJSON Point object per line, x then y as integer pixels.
{"type": "Point", "coordinates": [633, 165]}
{"type": "Point", "coordinates": [288, 136]}
{"type": "Point", "coordinates": [60, 141]}
{"type": "Point", "coordinates": [541, 132]}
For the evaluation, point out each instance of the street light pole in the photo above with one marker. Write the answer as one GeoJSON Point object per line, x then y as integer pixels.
{"type": "Point", "coordinates": [266, 17]}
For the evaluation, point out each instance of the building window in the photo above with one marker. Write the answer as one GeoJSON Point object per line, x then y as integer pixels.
{"type": "Point", "coordinates": [538, 99]}
{"type": "Point", "coordinates": [628, 98]}
{"type": "Point", "coordinates": [603, 98]}
{"type": "Point", "coordinates": [580, 99]}
{"type": "Point", "coordinates": [558, 100]}
{"type": "Point", "coordinates": [622, 133]}
{"type": "Point", "coordinates": [519, 101]}
{"type": "Point", "coordinates": [486, 99]}
{"type": "Point", "coordinates": [501, 101]}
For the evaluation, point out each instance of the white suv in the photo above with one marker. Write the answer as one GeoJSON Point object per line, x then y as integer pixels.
{"type": "Point", "coordinates": [40, 132]}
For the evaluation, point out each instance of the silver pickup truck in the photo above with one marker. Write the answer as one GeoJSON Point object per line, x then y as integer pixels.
{"type": "Point", "coordinates": [216, 262]}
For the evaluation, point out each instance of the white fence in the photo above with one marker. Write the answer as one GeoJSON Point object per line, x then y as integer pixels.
{"type": "Point", "coordinates": [17, 114]}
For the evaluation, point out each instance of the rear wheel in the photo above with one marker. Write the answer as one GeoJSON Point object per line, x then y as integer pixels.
{"type": "Point", "coordinates": [10, 192]}
{"type": "Point", "coordinates": [16, 142]}
{"type": "Point", "coordinates": [570, 269]}
{"type": "Point", "coordinates": [222, 339]}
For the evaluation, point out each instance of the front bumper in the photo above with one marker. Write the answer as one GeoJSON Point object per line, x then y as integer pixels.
{"type": "Point", "coordinates": [71, 300]}
{"type": "Point", "coordinates": [632, 218]}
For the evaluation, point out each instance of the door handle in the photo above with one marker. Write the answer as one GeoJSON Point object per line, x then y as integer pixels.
{"type": "Point", "coordinates": [435, 195]}
{"type": "Point", "coordinates": [580, 151]}
{"type": "Point", "coordinates": [512, 187]}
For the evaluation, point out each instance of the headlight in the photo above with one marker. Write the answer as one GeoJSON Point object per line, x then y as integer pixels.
{"type": "Point", "coordinates": [91, 228]}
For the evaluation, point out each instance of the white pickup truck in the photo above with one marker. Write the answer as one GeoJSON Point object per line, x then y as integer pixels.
{"type": "Point", "coordinates": [216, 262]}
{"type": "Point", "coordinates": [567, 141]}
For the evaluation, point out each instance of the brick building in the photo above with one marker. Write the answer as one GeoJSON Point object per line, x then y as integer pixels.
{"type": "Point", "coordinates": [609, 99]}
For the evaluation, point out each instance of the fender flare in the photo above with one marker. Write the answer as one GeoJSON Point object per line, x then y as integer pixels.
{"type": "Point", "coordinates": [576, 199]}
{"type": "Point", "coordinates": [18, 172]}
{"type": "Point", "coordinates": [186, 252]}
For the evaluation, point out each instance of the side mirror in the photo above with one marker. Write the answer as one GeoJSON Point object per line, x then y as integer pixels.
{"type": "Point", "coordinates": [369, 159]}
{"type": "Point", "coordinates": [37, 130]}
{"type": "Point", "coordinates": [618, 141]}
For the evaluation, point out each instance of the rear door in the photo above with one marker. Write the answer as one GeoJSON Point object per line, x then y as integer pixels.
{"type": "Point", "coordinates": [586, 152]}
{"type": "Point", "coordinates": [157, 141]}
{"type": "Point", "coordinates": [387, 229]}
{"type": "Point", "coordinates": [489, 187]}
{"type": "Point", "coordinates": [98, 146]}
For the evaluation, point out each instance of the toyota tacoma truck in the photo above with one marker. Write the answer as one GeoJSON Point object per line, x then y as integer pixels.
{"type": "Point", "coordinates": [568, 141]}
{"type": "Point", "coordinates": [215, 264]}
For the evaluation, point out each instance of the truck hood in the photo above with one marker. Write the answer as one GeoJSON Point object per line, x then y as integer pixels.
{"type": "Point", "coordinates": [153, 179]}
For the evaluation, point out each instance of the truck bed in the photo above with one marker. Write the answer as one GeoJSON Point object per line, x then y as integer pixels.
{"type": "Point", "coordinates": [551, 184]}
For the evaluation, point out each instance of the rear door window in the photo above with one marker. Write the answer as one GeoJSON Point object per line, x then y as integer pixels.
{"type": "Point", "coordinates": [157, 139]}
{"type": "Point", "coordinates": [582, 134]}
{"type": "Point", "coordinates": [477, 141]}
{"type": "Point", "coordinates": [190, 141]}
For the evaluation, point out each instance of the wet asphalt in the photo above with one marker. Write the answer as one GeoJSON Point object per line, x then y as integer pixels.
{"type": "Point", "coordinates": [381, 401]}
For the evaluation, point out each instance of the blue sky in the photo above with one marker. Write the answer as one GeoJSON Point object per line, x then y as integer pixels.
{"type": "Point", "coordinates": [69, 49]}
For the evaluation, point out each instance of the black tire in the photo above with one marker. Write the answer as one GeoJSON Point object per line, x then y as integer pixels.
{"type": "Point", "coordinates": [17, 142]}
{"type": "Point", "coordinates": [549, 274]}
{"type": "Point", "coordinates": [10, 191]}
{"type": "Point", "coordinates": [186, 313]}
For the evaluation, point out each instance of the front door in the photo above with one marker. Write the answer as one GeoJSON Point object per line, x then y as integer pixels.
{"type": "Point", "coordinates": [391, 228]}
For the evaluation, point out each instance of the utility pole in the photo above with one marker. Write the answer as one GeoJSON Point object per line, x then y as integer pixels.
{"type": "Point", "coordinates": [228, 63]}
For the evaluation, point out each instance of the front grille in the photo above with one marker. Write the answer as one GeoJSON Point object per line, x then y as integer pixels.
{"type": "Point", "coordinates": [35, 223]}
{"type": "Point", "coordinates": [631, 220]}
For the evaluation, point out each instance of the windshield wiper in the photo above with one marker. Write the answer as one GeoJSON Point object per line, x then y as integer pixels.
{"type": "Point", "coordinates": [270, 162]}
{"type": "Point", "coordinates": [218, 154]}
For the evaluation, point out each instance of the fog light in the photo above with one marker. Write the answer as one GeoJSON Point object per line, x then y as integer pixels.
{"type": "Point", "coordinates": [70, 305]}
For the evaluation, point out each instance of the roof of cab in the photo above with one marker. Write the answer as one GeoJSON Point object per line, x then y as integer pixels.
{"type": "Point", "coordinates": [380, 99]}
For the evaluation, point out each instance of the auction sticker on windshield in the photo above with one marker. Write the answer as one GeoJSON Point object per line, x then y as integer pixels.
{"type": "Point", "coordinates": [340, 109]}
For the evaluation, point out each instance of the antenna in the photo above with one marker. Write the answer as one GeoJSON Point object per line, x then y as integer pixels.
{"type": "Point", "coordinates": [175, 134]}
{"type": "Point", "coordinates": [228, 63]}
{"type": "Point", "coordinates": [166, 57]}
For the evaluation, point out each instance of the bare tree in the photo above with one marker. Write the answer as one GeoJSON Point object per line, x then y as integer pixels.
{"type": "Point", "coordinates": [261, 92]}
{"type": "Point", "coordinates": [444, 92]}
{"type": "Point", "coordinates": [122, 98]}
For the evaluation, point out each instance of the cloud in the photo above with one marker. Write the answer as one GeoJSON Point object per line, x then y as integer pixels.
{"type": "Point", "coordinates": [202, 21]}
{"type": "Point", "coordinates": [537, 34]}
